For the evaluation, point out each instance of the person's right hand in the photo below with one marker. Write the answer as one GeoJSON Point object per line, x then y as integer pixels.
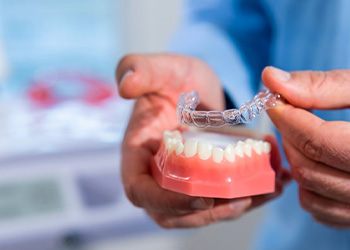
{"type": "Point", "coordinates": [156, 81]}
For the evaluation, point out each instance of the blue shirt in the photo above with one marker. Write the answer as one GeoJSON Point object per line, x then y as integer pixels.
{"type": "Point", "coordinates": [238, 38]}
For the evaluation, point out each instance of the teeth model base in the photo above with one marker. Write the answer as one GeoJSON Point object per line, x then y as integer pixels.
{"type": "Point", "coordinates": [188, 115]}
{"type": "Point", "coordinates": [213, 165]}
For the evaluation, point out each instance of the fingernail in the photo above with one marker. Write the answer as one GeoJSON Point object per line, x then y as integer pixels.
{"type": "Point", "coordinates": [240, 205]}
{"type": "Point", "coordinates": [202, 203]}
{"type": "Point", "coordinates": [125, 75]}
{"type": "Point", "coordinates": [280, 75]}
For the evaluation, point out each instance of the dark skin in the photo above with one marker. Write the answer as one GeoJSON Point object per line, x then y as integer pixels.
{"type": "Point", "coordinates": [155, 82]}
{"type": "Point", "coordinates": [317, 150]}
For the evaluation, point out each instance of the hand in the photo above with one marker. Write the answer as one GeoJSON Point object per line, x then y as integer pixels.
{"type": "Point", "coordinates": [318, 151]}
{"type": "Point", "coordinates": [156, 81]}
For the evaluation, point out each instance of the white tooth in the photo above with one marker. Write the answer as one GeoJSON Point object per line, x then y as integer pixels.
{"type": "Point", "coordinates": [247, 149]}
{"type": "Point", "coordinates": [250, 141]}
{"type": "Point", "coordinates": [266, 147]}
{"type": "Point", "coordinates": [166, 134]}
{"type": "Point", "coordinates": [190, 147]}
{"type": "Point", "coordinates": [167, 142]}
{"type": "Point", "coordinates": [179, 148]}
{"type": "Point", "coordinates": [172, 145]}
{"type": "Point", "coordinates": [218, 154]}
{"type": "Point", "coordinates": [177, 135]}
{"type": "Point", "coordinates": [239, 149]}
{"type": "Point", "coordinates": [204, 150]}
{"type": "Point", "coordinates": [258, 147]}
{"type": "Point", "coordinates": [229, 153]}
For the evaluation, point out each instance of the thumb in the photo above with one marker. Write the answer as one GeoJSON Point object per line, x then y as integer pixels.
{"type": "Point", "coordinates": [139, 75]}
{"type": "Point", "coordinates": [310, 89]}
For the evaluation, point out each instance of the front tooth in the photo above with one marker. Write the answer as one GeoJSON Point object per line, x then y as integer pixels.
{"type": "Point", "coordinates": [266, 147]}
{"type": "Point", "coordinates": [229, 153]}
{"type": "Point", "coordinates": [258, 147]}
{"type": "Point", "coordinates": [218, 154]}
{"type": "Point", "coordinates": [179, 148]}
{"type": "Point", "coordinates": [190, 147]}
{"type": "Point", "coordinates": [247, 149]}
{"type": "Point", "coordinates": [204, 150]}
{"type": "Point", "coordinates": [239, 149]}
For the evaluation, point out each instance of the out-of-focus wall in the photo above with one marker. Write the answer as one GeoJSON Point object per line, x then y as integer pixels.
{"type": "Point", "coordinates": [149, 24]}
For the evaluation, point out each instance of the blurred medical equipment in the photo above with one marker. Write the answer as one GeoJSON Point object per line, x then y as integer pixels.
{"type": "Point", "coordinates": [57, 87]}
{"type": "Point", "coordinates": [61, 126]}
{"type": "Point", "coordinates": [59, 177]}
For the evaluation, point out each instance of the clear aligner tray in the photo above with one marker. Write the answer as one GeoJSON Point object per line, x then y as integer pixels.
{"type": "Point", "coordinates": [188, 102]}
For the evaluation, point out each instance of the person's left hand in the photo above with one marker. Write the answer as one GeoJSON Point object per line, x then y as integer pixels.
{"type": "Point", "coordinates": [317, 150]}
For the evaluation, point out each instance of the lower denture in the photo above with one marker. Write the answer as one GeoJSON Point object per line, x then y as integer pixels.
{"type": "Point", "coordinates": [246, 176]}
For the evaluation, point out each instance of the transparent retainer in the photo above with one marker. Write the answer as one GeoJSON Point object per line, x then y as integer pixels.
{"type": "Point", "coordinates": [187, 113]}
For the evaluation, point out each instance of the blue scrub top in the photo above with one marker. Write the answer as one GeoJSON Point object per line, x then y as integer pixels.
{"type": "Point", "coordinates": [238, 38]}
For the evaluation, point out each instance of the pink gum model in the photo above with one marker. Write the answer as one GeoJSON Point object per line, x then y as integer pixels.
{"type": "Point", "coordinates": [228, 168]}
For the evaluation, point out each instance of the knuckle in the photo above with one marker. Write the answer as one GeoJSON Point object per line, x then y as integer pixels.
{"type": "Point", "coordinates": [318, 80]}
{"type": "Point", "coordinates": [312, 149]}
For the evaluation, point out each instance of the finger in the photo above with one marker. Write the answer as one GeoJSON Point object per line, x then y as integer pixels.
{"type": "Point", "coordinates": [143, 191]}
{"type": "Point", "coordinates": [146, 193]}
{"type": "Point", "coordinates": [310, 89]}
{"type": "Point", "coordinates": [319, 206]}
{"type": "Point", "coordinates": [329, 222]}
{"type": "Point", "coordinates": [326, 142]}
{"type": "Point", "coordinates": [224, 211]}
{"type": "Point", "coordinates": [139, 75]}
{"type": "Point", "coordinates": [262, 199]}
{"type": "Point", "coordinates": [168, 75]}
{"type": "Point", "coordinates": [317, 177]}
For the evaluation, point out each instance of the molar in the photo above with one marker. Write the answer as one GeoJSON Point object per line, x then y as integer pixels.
{"type": "Point", "coordinates": [266, 147]}
{"type": "Point", "coordinates": [258, 147]}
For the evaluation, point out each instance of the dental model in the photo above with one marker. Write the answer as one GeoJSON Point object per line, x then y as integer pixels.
{"type": "Point", "coordinates": [213, 165]}
{"type": "Point", "coordinates": [246, 113]}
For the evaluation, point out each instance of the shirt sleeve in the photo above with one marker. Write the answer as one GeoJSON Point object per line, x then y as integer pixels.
{"type": "Point", "coordinates": [232, 36]}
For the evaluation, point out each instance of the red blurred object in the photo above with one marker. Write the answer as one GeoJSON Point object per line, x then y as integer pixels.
{"type": "Point", "coordinates": [45, 91]}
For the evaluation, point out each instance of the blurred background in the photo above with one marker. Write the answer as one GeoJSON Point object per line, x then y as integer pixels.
{"type": "Point", "coordinates": [61, 124]}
